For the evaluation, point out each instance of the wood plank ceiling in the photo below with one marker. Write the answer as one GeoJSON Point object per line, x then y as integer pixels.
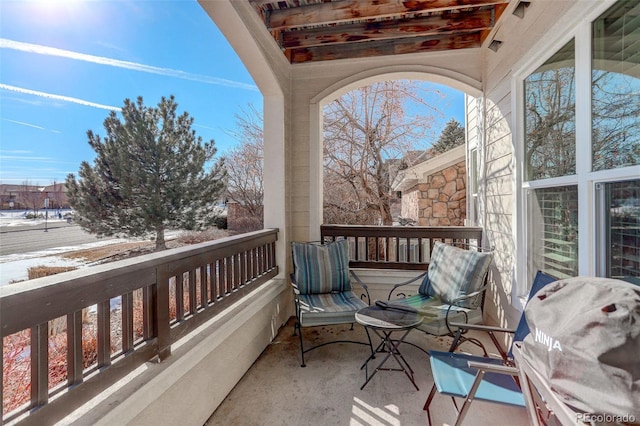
{"type": "Point", "coordinates": [321, 30]}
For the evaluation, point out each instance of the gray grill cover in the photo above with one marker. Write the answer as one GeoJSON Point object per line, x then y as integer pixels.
{"type": "Point", "coordinates": [585, 340]}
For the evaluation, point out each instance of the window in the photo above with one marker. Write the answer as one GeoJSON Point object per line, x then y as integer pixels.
{"type": "Point", "coordinates": [580, 188]}
{"type": "Point", "coordinates": [615, 83]}
{"type": "Point", "coordinates": [550, 152]}
{"type": "Point", "coordinates": [620, 205]}
{"type": "Point", "coordinates": [550, 117]}
{"type": "Point", "coordinates": [553, 231]}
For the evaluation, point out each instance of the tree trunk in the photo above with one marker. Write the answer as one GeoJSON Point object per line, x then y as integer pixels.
{"type": "Point", "coordinates": [160, 243]}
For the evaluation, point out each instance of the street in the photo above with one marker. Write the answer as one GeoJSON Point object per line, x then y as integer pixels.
{"type": "Point", "coordinates": [25, 239]}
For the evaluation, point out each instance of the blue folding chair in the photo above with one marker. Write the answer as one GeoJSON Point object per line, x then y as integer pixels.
{"type": "Point", "coordinates": [479, 377]}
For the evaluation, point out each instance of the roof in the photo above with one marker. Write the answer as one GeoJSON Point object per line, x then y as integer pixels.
{"type": "Point", "coordinates": [322, 30]}
{"type": "Point", "coordinates": [408, 178]}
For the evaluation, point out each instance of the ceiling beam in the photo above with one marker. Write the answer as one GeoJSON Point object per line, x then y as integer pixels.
{"type": "Point", "coordinates": [384, 47]}
{"type": "Point", "coordinates": [350, 10]}
{"type": "Point", "coordinates": [382, 30]}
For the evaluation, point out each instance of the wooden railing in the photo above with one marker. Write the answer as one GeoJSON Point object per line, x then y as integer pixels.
{"type": "Point", "coordinates": [399, 247]}
{"type": "Point", "coordinates": [160, 297]}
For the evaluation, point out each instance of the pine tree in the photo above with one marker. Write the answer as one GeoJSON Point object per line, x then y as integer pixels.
{"type": "Point", "coordinates": [148, 175]}
{"type": "Point", "coordinates": [452, 135]}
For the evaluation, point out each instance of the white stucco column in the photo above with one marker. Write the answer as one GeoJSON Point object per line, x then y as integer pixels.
{"type": "Point", "coordinates": [274, 175]}
{"type": "Point", "coordinates": [315, 171]}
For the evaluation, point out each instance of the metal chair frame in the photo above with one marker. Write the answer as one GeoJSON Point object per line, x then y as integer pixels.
{"type": "Point", "coordinates": [504, 366]}
{"type": "Point", "coordinates": [298, 325]}
{"type": "Point", "coordinates": [456, 332]}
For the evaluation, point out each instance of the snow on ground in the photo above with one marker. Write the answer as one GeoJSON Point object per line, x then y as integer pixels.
{"type": "Point", "coordinates": [13, 267]}
{"type": "Point", "coordinates": [13, 218]}
{"type": "Point", "coordinates": [17, 270]}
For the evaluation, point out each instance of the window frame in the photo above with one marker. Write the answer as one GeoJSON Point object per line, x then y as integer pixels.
{"type": "Point", "coordinates": [589, 244]}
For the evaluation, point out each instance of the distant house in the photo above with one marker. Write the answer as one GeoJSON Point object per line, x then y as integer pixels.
{"type": "Point", "coordinates": [27, 196]}
{"type": "Point", "coordinates": [433, 192]}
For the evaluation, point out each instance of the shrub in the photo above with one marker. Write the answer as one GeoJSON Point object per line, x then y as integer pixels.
{"type": "Point", "coordinates": [16, 370]}
{"type": "Point", "coordinates": [247, 224]}
{"type": "Point", "coordinates": [195, 237]}
{"type": "Point", "coordinates": [45, 271]}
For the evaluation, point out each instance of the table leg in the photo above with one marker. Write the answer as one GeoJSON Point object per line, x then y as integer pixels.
{"type": "Point", "coordinates": [391, 348]}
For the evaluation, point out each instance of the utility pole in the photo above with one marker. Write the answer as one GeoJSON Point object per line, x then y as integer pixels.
{"type": "Point", "coordinates": [46, 212]}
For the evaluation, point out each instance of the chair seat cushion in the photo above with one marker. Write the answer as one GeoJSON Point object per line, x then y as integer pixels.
{"type": "Point", "coordinates": [329, 308]}
{"type": "Point", "coordinates": [453, 377]}
{"type": "Point", "coordinates": [434, 313]}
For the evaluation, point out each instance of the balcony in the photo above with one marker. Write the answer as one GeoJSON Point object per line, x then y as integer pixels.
{"type": "Point", "coordinates": [277, 391]}
{"type": "Point", "coordinates": [200, 325]}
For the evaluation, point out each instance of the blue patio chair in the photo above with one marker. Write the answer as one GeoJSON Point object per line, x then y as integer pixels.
{"type": "Point", "coordinates": [322, 287]}
{"type": "Point", "coordinates": [481, 378]}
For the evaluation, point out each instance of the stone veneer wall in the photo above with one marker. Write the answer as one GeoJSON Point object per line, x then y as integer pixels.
{"type": "Point", "coordinates": [441, 200]}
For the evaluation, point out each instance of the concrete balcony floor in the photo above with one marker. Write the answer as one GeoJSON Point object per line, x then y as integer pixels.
{"type": "Point", "coordinates": [277, 391]}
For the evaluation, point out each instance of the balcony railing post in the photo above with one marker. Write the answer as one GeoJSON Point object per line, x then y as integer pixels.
{"type": "Point", "coordinates": [127, 322]}
{"type": "Point", "coordinates": [192, 292]}
{"type": "Point", "coordinates": [161, 314]}
{"type": "Point", "coordinates": [104, 333]}
{"type": "Point", "coordinates": [39, 364]}
{"type": "Point", "coordinates": [148, 309]}
{"type": "Point", "coordinates": [74, 348]}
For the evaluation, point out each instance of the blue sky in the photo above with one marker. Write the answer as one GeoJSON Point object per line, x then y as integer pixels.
{"type": "Point", "coordinates": [64, 64]}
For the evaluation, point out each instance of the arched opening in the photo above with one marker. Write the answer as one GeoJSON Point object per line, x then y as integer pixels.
{"type": "Point", "coordinates": [428, 80]}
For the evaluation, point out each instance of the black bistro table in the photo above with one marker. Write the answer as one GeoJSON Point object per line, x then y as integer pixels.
{"type": "Point", "coordinates": [385, 321]}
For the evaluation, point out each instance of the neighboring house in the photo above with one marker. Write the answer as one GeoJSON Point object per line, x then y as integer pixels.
{"type": "Point", "coordinates": [9, 196]}
{"type": "Point", "coordinates": [24, 196]}
{"type": "Point", "coordinates": [57, 194]}
{"type": "Point", "coordinates": [434, 191]}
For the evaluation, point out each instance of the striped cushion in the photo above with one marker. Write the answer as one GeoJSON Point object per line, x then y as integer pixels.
{"type": "Point", "coordinates": [454, 272]}
{"type": "Point", "coordinates": [329, 308]}
{"type": "Point", "coordinates": [434, 313]}
{"type": "Point", "coordinates": [321, 268]}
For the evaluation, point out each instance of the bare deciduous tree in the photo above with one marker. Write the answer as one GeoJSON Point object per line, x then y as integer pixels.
{"type": "Point", "coordinates": [245, 164]}
{"type": "Point", "coordinates": [550, 130]}
{"type": "Point", "coordinates": [30, 197]}
{"type": "Point", "coordinates": [365, 132]}
{"type": "Point", "coordinates": [550, 123]}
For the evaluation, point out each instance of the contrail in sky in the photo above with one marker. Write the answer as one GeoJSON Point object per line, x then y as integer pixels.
{"type": "Point", "coordinates": [30, 125]}
{"type": "Point", "coordinates": [52, 51]}
{"type": "Point", "coordinates": [57, 97]}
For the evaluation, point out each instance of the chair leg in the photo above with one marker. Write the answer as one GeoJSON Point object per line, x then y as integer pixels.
{"type": "Point", "coordinates": [297, 328]}
{"type": "Point", "coordinates": [469, 399]}
{"type": "Point", "coordinates": [428, 403]}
